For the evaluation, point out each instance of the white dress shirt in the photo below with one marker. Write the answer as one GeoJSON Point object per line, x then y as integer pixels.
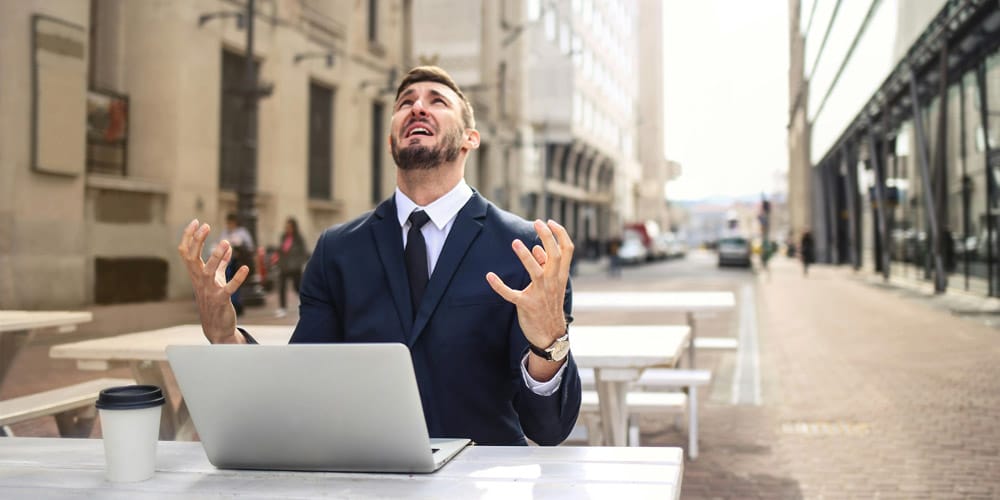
{"type": "Point", "coordinates": [442, 213]}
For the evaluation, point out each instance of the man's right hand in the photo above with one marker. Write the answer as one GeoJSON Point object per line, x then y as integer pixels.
{"type": "Point", "coordinates": [211, 291]}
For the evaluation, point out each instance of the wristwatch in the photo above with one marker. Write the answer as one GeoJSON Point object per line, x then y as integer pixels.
{"type": "Point", "coordinates": [555, 352]}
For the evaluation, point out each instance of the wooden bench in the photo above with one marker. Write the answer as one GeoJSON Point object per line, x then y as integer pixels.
{"type": "Point", "coordinates": [647, 397]}
{"type": "Point", "coordinates": [72, 406]}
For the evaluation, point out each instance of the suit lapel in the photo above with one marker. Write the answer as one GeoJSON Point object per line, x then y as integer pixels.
{"type": "Point", "coordinates": [389, 246]}
{"type": "Point", "coordinates": [468, 224]}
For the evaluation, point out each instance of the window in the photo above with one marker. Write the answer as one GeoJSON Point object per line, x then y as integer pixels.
{"type": "Point", "coordinates": [502, 88]}
{"type": "Point", "coordinates": [320, 142]}
{"type": "Point", "coordinates": [577, 50]}
{"type": "Point", "coordinates": [378, 148]}
{"type": "Point", "coordinates": [564, 38]}
{"type": "Point", "coordinates": [372, 20]}
{"type": "Point", "coordinates": [534, 9]}
{"type": "Point", "coordinates": [233, 119]}
{"type": "Point", "coordinates": [107, 132]}
{"type": "Point", "coordinates": [550, 25]}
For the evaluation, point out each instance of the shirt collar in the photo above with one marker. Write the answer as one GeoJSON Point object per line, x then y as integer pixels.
{"type": "Point", "coordinates": [441, 211]}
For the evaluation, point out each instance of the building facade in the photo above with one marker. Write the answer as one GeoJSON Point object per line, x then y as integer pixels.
{"type": "Point", "coordinates": [894, 136]}
{"type": "Point", "coordinates": [556, 86]}
{"type": "Point", "coordinates": [656, 169]}
{"type": "Point", "coordinates": [121, 121]}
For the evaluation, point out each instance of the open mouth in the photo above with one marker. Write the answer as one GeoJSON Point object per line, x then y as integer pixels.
{"type": "Point", "coordinates": [418, 129]}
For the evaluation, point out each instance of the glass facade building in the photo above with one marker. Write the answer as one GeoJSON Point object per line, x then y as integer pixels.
{"type": "Point", "coordinates": [899, 103]}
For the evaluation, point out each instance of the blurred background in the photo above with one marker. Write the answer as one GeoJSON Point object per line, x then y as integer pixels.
{"type": "Point", "coordinates": [647, 127]}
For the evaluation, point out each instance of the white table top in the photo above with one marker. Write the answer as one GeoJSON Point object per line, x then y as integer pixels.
{"type": "Point", "coordinates": [11, 321]}
{"type": "Point", "coordinates": [628, 346]}
{"type": "Point", "coordinates": [73, 468]}
{"type": "Point", "coordinates": [656, 301]}
{"type": "Point", "coordinates": [592, 346]}
{"type": "Point", "coordinates": [152, 345]}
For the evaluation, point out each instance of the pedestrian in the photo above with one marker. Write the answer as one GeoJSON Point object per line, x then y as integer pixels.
{"type": "Point", "coordinates": [614, 261]}
{"type": "Point", "coordinates": [807, 251]}
{"type": "Point", "coordinates": [487, 326]}
{"type": "Point", "coordinates": [243, 253]}
{"type": "Point", "coordinates": [292, 256]}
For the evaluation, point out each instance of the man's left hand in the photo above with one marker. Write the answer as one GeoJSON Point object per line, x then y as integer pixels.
{"type": "Point", "coordinates": [540, 305]}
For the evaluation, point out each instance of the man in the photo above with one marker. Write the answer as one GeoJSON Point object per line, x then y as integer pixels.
{"type": "Point", "coordinates": [807, 249]}
{"type": "Point", "coordinates": [242, 242]}
{"type": "Point", "coordinates": [429, 267]}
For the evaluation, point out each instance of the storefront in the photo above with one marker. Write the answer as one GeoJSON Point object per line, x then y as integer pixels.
{"type": "Point", "coordinates": [911, 186]}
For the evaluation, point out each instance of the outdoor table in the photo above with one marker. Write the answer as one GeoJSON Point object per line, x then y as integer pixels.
{"type": "Point", "coordinates": [143, 353]}
{"type": "Point", "coordinates": [17, 327]}
{"type": "Point", "coordinates": [74, 468]}
{"type": "Point", "coordinates": [618, 355]}
{"type": "Point", "coordinates": [689, 303]}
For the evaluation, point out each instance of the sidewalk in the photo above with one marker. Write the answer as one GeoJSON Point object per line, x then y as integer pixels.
{"type": "Point", "coordinates": [865, 394]}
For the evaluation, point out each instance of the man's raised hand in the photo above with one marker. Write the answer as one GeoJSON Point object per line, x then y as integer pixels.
{"type": "Point", "coordinates": [211, 291]}
{"type": "Point", "coordinates": [540, 305]}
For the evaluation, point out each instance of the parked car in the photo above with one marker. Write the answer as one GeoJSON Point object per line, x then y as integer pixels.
{"type": "Point", "coordinates": [673, 245]}
{"type": "Point", "coordinates": [632, 250]}
{"type": "Point", "coordinates": [649, 235]}
{"type": "Point", "coordinates": [734, 250]}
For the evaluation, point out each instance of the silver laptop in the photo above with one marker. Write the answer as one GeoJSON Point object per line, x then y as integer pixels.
{"type": "Point", "coordinates": [317, 407]}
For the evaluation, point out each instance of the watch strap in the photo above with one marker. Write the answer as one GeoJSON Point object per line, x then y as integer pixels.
{"type": "Point", "coordinates": [541, 353]}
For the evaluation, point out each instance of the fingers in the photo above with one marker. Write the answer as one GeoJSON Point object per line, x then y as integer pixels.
{"type": "Point", "coordinates": [238, 278]}
{"type": "Point", "coordinates": [186, 237]}
{"type": "Point", "coordinates": [528, 260]}
{"type": "Point", "coordinates": [501, 288]}
{"type": "Point", "coordinates": [552, 251]}
{"type": "Point", "coordinates": [565, 247]}
{"type": "Point", "coordinates": [220, 253]}
{"type": "Point", "coordinates": [198, 242]}
{"type": "Point", "coordinates": [220, 273]}
{"type": "Point", "coordinates": [539, 254]}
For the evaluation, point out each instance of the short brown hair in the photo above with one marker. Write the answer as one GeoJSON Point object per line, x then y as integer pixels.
{"type": "Point", "coordinates": [438, 75]}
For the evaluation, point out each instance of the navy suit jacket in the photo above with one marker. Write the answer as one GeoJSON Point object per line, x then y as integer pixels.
{"type": "Point", "coordinates": [465, 340]}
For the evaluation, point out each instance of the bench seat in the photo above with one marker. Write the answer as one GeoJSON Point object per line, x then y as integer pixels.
{"type": "Point", "coordinates": [646, 396]}
{"type": "Point", "coordinates": [73, 406]}
{"type": "Point", "coordinates": [656, 378]}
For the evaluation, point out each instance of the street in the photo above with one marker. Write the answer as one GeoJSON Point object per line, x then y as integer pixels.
{"type": "Point", "coordinates": [840, 389]}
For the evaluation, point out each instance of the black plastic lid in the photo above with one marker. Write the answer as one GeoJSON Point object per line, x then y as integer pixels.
{"type": "Point", "coordinates": [130, 397]}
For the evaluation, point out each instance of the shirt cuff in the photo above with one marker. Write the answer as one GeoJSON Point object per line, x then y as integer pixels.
{"type": "Point", "coordinates": [541, 388]}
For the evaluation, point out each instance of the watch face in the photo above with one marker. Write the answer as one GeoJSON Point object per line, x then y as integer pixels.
{"type": "Point", "coordinates": [560, 349]}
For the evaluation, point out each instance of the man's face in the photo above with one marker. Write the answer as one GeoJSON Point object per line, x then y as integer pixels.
{"type": "Point", "coordinates": [427, 127]}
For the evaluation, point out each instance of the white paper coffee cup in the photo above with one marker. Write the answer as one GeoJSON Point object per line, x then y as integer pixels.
{"type": "Point", "coordinates": [130, 424]}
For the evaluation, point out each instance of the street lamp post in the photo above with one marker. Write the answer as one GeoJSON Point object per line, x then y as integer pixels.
{"type": "Point", "coordinates": [246, 209]}
{"type": "Point", "coordinates": [247, 192]}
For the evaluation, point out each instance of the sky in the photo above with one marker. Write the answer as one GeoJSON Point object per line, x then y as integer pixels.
{"type": "Point", "coordinates": [725, 96]}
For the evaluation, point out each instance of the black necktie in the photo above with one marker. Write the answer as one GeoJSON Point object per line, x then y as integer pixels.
{"type": "Point", "coordinates": [416, 257]}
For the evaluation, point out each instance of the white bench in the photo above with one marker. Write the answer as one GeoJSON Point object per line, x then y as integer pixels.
{"type": "Point", "coordinates": [716, 343]}
{"type": "Point", "coordinates": [648, 398]}
{"type": "Point", "coordinates": [72, 406]}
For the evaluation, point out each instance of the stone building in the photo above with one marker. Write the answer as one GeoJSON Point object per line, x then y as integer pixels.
{"type": "Point", "coordinates": [120, 121]}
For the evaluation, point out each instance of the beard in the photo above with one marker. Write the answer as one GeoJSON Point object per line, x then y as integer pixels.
{"type": "Point", "coordinates": [425, 158]}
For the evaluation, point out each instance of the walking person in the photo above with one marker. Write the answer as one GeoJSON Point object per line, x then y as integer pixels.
{"type": "Point", "coordinates": [243, 250]}
{"type": "Point", "coordinates": [292, 257]}
{"type": "Point", "coordinates": [614, 261]}
{"type": "Point", "coordinates": [807, 251]}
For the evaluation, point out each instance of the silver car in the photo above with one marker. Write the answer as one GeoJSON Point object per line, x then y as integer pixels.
{"type": "Point", "coordinates": [734, 251]}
